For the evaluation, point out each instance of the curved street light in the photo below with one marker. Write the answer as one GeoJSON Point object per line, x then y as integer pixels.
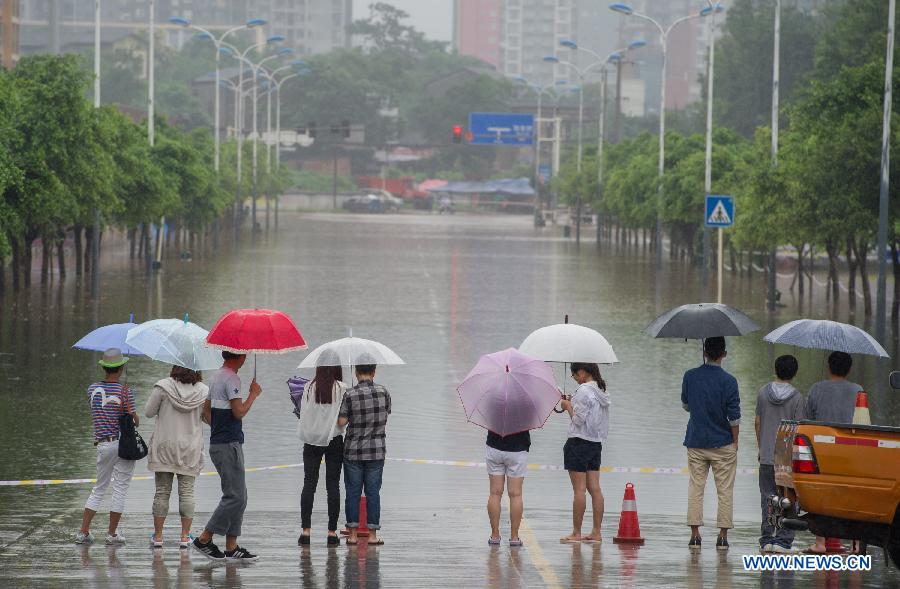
{"type": "Point", "coordinates": [627, 10]}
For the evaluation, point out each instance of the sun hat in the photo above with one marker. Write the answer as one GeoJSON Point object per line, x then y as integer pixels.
{"type": "Point", "coordinates": [112, 358]}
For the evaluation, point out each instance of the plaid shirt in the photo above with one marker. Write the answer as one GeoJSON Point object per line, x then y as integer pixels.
{"type": "Point", "coordinates": [366, 407]}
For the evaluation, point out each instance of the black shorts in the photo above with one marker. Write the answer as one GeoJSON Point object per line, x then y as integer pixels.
{"type": "Point", "coordinates": [580, 455]}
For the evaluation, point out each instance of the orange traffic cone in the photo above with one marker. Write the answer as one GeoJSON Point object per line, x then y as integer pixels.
{"type": "Point", "coordinates": [834, 546]}
{"type": "Point", "coordinates": [362, 530]}
{"type": "Point", "coordinates": [629, 528]}
{"type": "Point", "coordinates": [861, 414]}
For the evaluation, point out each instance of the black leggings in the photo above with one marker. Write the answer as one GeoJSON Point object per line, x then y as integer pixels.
{"type": "Point", "coordinates": [312, 459]}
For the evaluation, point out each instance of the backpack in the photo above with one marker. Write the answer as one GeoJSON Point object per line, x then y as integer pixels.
{"type": "Point", "coordinates": [131, 444]}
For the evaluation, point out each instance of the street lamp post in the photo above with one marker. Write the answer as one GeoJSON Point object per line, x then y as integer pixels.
{"type": "Point", "coordinates": [664, 40]}
{"type": "Point", "coordinates": [218, 44]}
{"type": "Point", "coordinates": [776, 83]}
{"type": "Point", "coordinates": [881, 296]}
{"type": "Point", "coordinates": [537, 136]}
{"type": "Point", "coordinates": [95, 241]}
{"type": "Point", "coordinates": [614, 57]}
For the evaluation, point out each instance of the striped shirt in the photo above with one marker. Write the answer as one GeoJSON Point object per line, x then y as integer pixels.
{"type": "Point", "coordinates": [108, 402]}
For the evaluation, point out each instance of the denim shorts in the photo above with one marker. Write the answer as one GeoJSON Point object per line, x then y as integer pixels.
{"type": "Point", "coordinates": [580, 455]}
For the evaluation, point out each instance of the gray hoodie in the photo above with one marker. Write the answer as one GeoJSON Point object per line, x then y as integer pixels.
{"type": "Point", "coordinates": [775, 401]}
{"type": "Point", "coordinates": [177, 441]}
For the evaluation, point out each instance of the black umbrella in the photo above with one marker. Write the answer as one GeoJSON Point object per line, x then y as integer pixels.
{"type": "Point", "coordinates": [700, 321]}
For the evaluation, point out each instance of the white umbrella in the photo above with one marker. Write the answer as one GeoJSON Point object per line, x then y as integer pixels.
{"type": "Point", "coordinates": [351, 351]}
{"type": "Point", "coordinates": [175, 341]}
{"type": "Point", "coordinates": [567, 342]}
{"type": "Point", "coordinates": [822, 334]}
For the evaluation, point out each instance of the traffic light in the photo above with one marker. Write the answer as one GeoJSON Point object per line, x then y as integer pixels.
{"type": "Point", "coordinates": [457, 133]}
{"type": "Point", "coordinates": [311, 130]}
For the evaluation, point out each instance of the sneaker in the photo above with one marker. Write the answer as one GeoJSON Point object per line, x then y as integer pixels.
{"type": "Point", "coordinates": [493, 541]}
{"type": "Point", "coordinates": [721, 543]}
{"type": "Point", "coordinates": [82, 538]}
{"type": "Point", "coordinates": [115, 539]}
{"type": "Point", "coordinates": [767, 548]}
{"type": "Point", "coordinates": [516, 543]}
{"type": "Point", "coordinates": [694, 544]}
{"type": "Point", "coordinates": [334, 541]}
{"type": "Point", "coordinates": [240, 554]}
{"type": "Point", "coordinates": [303, 540]}
{"type": "Point", "coordinates": [154, 543]}
{"type": "Point", "coordinates": [779, 549]}
{"type": "Point", "coordinates": [186, 543]}
{"type": "Point", "coordinates": [209, 550]}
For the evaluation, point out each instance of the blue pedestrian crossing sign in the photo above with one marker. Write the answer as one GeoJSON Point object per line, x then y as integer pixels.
{"type": "Point", "coordinates": [719, 210]}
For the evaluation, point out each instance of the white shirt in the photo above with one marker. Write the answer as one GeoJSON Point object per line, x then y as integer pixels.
{"type": "Point", "coordinates": [318, 421]}
{"type": "Point", "coordinates": [590, 419]}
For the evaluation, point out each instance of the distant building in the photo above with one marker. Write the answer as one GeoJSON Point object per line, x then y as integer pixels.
{"type": "Point", "coordinates": [9, 32]}
{"type": "Point", "coordinates": [309, 26]}
{"type": "Point", "coordinates": [516, 35]}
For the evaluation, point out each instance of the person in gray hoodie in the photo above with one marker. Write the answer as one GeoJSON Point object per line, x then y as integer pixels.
{"type": "Point", "coordinates": [776, 401]}
{"type": "Point", "coordinates": [176, 447]}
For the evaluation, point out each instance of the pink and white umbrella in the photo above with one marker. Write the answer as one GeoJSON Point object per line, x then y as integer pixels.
{"type": "Point", "coordinates": [508, 392]}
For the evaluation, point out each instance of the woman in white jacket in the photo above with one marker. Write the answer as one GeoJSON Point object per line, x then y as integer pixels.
{"type": "Point", "coordinates": [176, 447]}
{"type": "Point", "coordinates": [321, 436]}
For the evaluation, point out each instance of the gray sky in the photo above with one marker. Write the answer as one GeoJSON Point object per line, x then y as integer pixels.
{"type": "Point", "coordinates": [432, 17]}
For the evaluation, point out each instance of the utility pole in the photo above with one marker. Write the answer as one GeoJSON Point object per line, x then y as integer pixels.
{"type": "Point", "coordinates": [881, 297]}
{"type": "Point", "coordinates": [95, 242]}
{"type": "Point", "coordinates": [776, 75]}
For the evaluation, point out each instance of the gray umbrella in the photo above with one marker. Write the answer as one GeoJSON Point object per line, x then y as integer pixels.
{"type": "Point", "coordinates": [820, 334]}
{"type": "Point", "coordinates": [700, 321]}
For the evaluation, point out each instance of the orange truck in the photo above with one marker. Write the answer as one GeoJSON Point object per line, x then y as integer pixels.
{"type": "Point", "coordinates": [840, 481]}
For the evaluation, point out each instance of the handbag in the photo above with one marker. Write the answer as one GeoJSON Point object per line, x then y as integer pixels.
{"type": "Point", "coordinates": [131, 444]}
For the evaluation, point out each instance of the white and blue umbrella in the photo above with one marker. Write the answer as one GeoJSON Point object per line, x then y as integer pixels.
{"type": "Point", "coordinates": [175, 341]}
{"type": "Point", "coordinates": [109, 336]}
{"type": "Point", "coordinates": [822, 334]}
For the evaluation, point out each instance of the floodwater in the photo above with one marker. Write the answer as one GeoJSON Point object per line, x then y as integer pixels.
{"type": "Point", "coordinates": [440, 291]}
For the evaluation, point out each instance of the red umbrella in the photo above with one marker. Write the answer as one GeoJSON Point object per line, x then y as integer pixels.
{"type": "Point", "coordinates": [257, 331]}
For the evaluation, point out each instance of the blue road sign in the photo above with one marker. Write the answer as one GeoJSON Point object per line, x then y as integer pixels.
{"type": "Point", "coordinates": [497, 128]}
{"type": "Point", "coordinates": [544, 173]}
{"type": "Point", "coordinates": [719, 210]}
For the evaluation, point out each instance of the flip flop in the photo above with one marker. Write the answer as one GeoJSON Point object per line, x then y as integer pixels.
{"type": "Point", "coordinates": [378, 542]}
{"type": "Point", "coordinates": [351, 542]}
{"type": "Point", "coordinates": [809, 550]}
{"type": "Point", "coordinates": [567, 540]}
{"type": "Point", "coordinates": [592, 540]}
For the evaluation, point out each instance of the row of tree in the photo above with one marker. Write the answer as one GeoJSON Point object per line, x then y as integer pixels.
{"type": "Point", "coordinates": [821, 197]}
{"type": "Point", "coordinates": [63, 161]}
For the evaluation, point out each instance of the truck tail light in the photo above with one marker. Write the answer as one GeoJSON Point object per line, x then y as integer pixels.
{"type": "Point", "coordinates": [804, 459]}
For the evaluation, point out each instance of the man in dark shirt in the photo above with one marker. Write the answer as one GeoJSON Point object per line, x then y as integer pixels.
{"type": "Point", "coordinates": [711, 397]}
{"type": "Point", "coordinates": [365, 412]}
{"type": "Point", "coordinates": [224, 411]}
{"type": "Point", "coordinates": [506, 458]}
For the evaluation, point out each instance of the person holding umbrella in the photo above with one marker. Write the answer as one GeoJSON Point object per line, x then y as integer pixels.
{"type": "Point", "coordinates": [321, 436]}
{"type": "Point", "coordinates": [176, 447]}
{"type": "Point", "coordinates": [225, 410]}
{"type": "Point", "coordinates": [588, 410]}
{"type": "Point", "coordinates": [711, 397]}
{"type": "Point", "coordinates": [109, 399]}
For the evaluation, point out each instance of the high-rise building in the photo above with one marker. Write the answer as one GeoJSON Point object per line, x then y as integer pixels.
{"type": "Point", "coordinates": [686, 56]}
{"type": "Point", "coordinates": [516, 35]}
{"type": "Point", "coordinates": [9, 32]}
{"type": "Point", "coordinates": [477, 29]}
{"type": "Point", "coordinates": [309, 26]}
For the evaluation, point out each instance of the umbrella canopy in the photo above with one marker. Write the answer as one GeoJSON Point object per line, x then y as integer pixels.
{"type": "Point", "coordinates": [821, 334]}
{"type": "Point", "coordinates": [700, 321]}
{"type": "Point", "coordinates": [261, 331]}
{"type": "Point", "coordinates": [508, 392]}
{"type": "Point", "coordinates": [567, 342]}
{"type": "Point", "coordinates": [109, 336]}
{"type": "Point", "coordinates": [351, 351]}
{"type": "Point", "coordinates": [175, 341]}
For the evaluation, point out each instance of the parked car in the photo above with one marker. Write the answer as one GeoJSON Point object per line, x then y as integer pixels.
{"type": "Point", "coordinates": [840, 481]}
{"type": "Point", "coordinates": [366, 203]}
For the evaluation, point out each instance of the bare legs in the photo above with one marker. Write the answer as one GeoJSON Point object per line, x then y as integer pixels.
{"type": "Point", "coordinates": [583, 482]}
{"type": "Point", "coordinates": [159, 522]}
{"type": "Point", "coordinates": [516, 504]}
{"type": "Point", "coordinates": [88, 517]}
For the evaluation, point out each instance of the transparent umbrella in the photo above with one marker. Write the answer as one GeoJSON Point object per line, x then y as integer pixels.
{"type": "Point", "coordinates": [175, 341]}
{"type": "Point", "coordinates": [351, 351]}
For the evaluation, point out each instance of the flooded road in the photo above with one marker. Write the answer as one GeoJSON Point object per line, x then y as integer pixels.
{"type": "Point", "coordinates": [440, 291]}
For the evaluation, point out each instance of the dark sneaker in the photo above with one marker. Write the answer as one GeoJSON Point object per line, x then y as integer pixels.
{"type": "Point", "coordinates": [721, 543]}
{"type": "Point", "coordinates": [303, 540]}
{"type": "Point", "coordinates": [241, 554]}
{"type": "Point", "coordinates": [334, 541]}
{"type": "Point", "coordinates": [694, 544]}
{"type": "Point", "coordinates": [209, 550]}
